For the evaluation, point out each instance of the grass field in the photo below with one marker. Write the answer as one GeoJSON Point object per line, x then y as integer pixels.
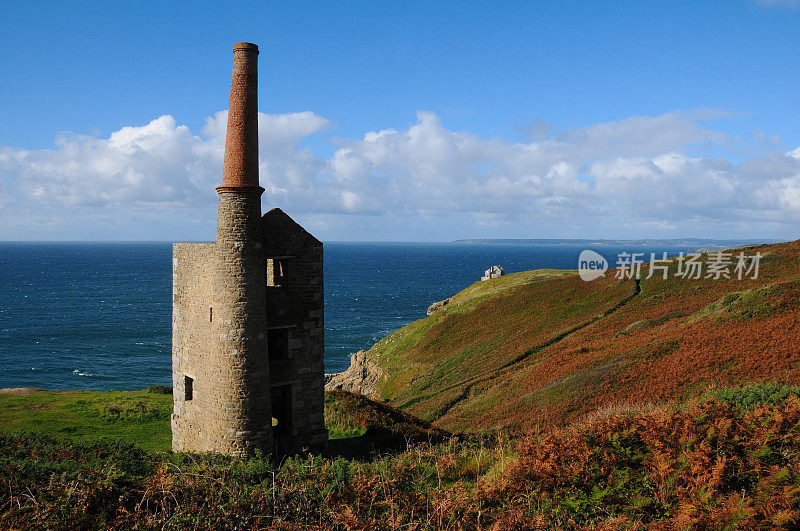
{"type": "Point", "coordinates": [356, 425]}
{"type": "Point", "coordinates": [138, 417]}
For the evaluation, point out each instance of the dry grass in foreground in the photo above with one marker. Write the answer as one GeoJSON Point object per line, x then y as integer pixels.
{"type": "Point", "coordinates": [732, 459]}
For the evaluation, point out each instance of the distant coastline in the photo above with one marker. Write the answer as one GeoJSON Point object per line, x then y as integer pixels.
{"type": "Point", "coordinates": [679, 242]}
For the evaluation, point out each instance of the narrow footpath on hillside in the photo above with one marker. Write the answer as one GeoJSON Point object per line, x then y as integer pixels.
{"type": "Point", "coordinates": [470, 383]}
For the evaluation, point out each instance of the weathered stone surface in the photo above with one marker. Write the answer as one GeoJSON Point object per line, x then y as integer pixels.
{"type": "Point", "coordinates": [361, 377]}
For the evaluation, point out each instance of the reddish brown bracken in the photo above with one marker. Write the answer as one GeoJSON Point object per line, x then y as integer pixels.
{"type": "Point", "coordinates": [240, 169]}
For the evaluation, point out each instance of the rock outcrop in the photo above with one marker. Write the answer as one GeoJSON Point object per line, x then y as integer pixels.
{"type": "Point", "coordinates": [361, 377]}
{"type": "Point", "coordinates": [438, 305]}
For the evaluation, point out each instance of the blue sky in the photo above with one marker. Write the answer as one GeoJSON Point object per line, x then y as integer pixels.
{"type": "Point", "coordinates": [407, 120]}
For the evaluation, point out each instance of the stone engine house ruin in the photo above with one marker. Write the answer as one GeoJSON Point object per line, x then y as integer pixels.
{"type": "Point", "coordinates": [247, 311]}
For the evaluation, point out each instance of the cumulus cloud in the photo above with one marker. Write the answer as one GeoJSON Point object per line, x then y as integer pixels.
{"type": "Point", "coordinates": [158, 163]}
{"type": "Point", "coordinates": [646, 173]}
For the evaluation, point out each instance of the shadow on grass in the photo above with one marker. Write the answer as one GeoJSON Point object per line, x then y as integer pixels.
{"type": "Point", "coordinates": [375, 442]}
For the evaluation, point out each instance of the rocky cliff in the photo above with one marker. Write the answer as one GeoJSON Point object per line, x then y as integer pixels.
{"type": "Point", "coordinates": [361, 377]}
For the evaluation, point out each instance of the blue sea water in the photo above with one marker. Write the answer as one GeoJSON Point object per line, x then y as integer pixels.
{"type": "Point", "coordinates": [98, 315]}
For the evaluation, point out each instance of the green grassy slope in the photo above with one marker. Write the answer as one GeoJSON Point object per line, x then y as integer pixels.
{"type": "Point", "coordinates": [137, 417]}
{"type": "Point", "coordinates": [486, 328]}
{"type": "Point", "coordinates": [542, 347]}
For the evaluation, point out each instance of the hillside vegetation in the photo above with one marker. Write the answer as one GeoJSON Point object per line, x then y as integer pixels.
{"type": "Point", "coordinates": [545, 347]}
{"type": "Point", "coordinates": [732, 460]}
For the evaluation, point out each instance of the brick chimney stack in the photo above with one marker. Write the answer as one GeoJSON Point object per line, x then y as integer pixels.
{"type": "Point", "coordinates": [241, 142]}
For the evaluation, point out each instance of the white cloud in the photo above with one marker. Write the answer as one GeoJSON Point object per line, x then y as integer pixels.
{"type": "Point", "coordinates": [638, 174]}
{"type": "Point", "coordinates": [158, 163]}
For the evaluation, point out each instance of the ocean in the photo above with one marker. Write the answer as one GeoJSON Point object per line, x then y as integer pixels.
{"type": "Point", "coordinates": [98, 315]}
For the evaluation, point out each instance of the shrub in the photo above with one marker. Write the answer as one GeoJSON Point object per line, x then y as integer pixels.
{"type": "Point", "coordinates": [748, 396]}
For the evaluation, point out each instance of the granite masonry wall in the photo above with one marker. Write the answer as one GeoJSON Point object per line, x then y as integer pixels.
{"type": "Point", "coordinates": [248, 330]}
{"type": "Point", "coordinates": [295, 327]}
{"type": "Point", "coordinates": [240, 359]}
{"type": "Point", "coordinates": [192, 339]}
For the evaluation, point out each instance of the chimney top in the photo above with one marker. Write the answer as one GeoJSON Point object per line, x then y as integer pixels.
{"type": "Point", "coordinates": [245, 46]}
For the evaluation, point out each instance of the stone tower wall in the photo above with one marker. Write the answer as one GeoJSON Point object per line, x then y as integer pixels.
{"type": "Point", "coordinates": [193, 421]}
{"type": "Point", "coordinates": [295, 310]}
{"type": "Point", "coordinates": [239, 349]}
